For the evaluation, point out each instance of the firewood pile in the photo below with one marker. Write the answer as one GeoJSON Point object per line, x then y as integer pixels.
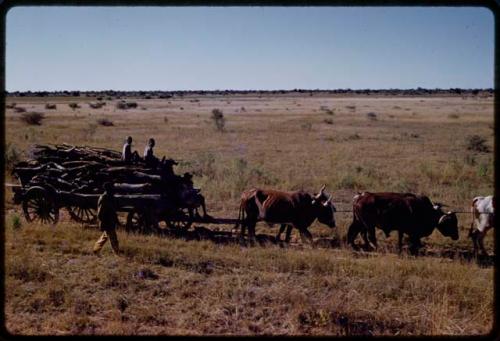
{"type": "Point", "coordinates": [84, 169]}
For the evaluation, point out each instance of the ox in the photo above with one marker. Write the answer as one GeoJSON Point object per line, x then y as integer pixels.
{"type": "Point", "coordinates": [293, 209]}
{"type": "Point", "coordinates": [407, 213]}
{"type": "Point", "coordinates": [482, 220]}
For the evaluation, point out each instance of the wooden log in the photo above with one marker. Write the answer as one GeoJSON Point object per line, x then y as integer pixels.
{"type": "Point", "coordinates": [70, 164]}
{"type": "Point", "coordinates": [147, 176]}
{"type": "Point", "coordinates": [56, 165]}
{"type": "Point", "coordinates": [133, 188]}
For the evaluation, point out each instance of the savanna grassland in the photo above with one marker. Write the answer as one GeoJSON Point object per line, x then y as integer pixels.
{"type": "Point", "coordinates": [55, 285]}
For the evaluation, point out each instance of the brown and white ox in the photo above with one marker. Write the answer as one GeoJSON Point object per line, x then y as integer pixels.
{"type": "Point", "coordinates": [483, 214]}
{"type": "Point", "coordinates": [297, 209]}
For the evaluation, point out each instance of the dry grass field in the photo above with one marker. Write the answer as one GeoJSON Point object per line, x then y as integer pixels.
{"type": "Point", "coordinates": [55, 285]}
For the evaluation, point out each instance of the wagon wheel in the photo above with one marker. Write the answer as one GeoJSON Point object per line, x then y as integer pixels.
{"type": "Point", "coordinates": [39, 205]}
{"type": "Point", "coordinates": [183, 219]}
{"type": "Point", "coordinates": [86, 215]}
{"type": "Point", "coordinates": [136, 222]}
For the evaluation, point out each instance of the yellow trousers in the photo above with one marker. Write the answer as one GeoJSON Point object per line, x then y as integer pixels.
{"type": "Point", "coordinates": [111, 234]}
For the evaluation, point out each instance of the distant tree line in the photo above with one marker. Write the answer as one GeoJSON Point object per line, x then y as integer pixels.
{"type": "Point", "coordinates": [311, 92]}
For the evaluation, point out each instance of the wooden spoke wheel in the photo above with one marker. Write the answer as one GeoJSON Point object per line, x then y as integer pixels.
{"type": "Point", "coordinates": [38, 205]}
{"type": "Point", "coordinates": [86, 215]}
{"type": "Point", "coordinates": [182, 219]}
{"type": "Point", "coordinates": [136, 222]}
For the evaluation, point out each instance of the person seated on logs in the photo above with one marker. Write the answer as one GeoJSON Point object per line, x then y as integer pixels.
{"type": "Point", "coordinates": [150, 160]}
{"type": "Point", "coordinates": [106, 213]}
{"type": "Point", "coordinates": [192, 196]}
{"type": "Point", "coordinates": [127, 154]}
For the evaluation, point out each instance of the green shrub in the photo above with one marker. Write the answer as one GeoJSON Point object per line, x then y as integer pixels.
{"type": "Point", "coordinates": [476, 143]}
{"type": "Point", "coordinates": [19, 109]}
{"type": "Point", "coordinates": [32, 118]}
{"type": "Point", "coordinates": [327, 110]}
{"type": "Point", "coordinates": [105, 122]}
{"type": "Point", "coordinates": [16, 222]}
{"type": "Point", "coordinates": [12, 156]}
{"type": "Point", "coordinates": [125, 105]}
{"type": "Point", "coordinates": [219, 120]}
{"type": "Point", "coordinates": [306, 126]}
{"type": "Point", "coordinates": [96, 105]}
{"type": "Point", "coordinates": [73, 105]}
{"type": "Point", "coordinates": [482, 170]}
{"type": "Point", "coordinates": [470, 160]}
{"type": "Point", "coordinates": [348, 181]}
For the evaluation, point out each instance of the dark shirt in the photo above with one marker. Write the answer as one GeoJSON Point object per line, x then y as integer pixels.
{"type": "Point", "coordinates": [149, 158]}
{"type": "Point", "coordinates": [127, 152]}
{"type": "Point", "coordinates": [106, 211]}
{"type": "Point", "coordinates": [148, 152]}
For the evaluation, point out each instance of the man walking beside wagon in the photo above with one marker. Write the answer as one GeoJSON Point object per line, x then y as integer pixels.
{"type": "Point", "coordinates": [108, 219]}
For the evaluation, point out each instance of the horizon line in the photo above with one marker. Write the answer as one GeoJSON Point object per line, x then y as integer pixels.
{"type": "Point", "coordinates": [256, 90]}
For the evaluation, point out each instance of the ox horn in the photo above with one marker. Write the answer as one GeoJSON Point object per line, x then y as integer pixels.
{"type": "Point", "coordinates": [328, 201]}
{"type": "Point", "coordinates": [321, 191]}
{"type": "Point", "coordinates": [440, 204]}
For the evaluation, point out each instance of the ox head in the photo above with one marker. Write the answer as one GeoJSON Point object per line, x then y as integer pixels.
{"type": "Point", "coordinates": [325, 208]}
{"type": "Point", "coordinates": [447, 224]}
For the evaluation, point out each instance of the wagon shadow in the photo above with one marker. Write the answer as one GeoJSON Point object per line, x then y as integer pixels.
{"type": "Point", "coordinates": [218, 237]}
{"type": "Point", "coordinates": [227, 237]}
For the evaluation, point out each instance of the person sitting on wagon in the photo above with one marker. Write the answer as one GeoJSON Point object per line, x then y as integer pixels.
{"type": "Point", "coordinates": [127, 154]}
{"type": "Point", "coordinates": [106, 213]}
{"type": "Point", "coordinates": [149, 158]}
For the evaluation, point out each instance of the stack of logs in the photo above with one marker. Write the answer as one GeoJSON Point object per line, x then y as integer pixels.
{"type": "Point", "coordinates": [82, 169]}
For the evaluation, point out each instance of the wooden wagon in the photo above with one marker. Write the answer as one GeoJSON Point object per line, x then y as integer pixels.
{"type": "Point", "coordinates": [144, 211]}
{"type": "Point", "coordinates": [72, 178]}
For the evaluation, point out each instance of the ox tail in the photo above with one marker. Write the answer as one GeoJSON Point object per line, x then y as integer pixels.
{"type": "Point", "coordinates": [473, 216]}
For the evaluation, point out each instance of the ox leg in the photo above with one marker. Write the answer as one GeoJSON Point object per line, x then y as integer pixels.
{"type": "Point", "coordinates": [251, 233]}
{"type": "Point", "coordinates": [288, 235]}
{"type": "Point", "coordinates": [475, 241]}
{"type": "Point", "coordinates": [242, 232]}
{"type": "Point", "coordinates": [352, 233]}
{"type": "Point", "coordinates": [473, 237]}
{"type": "Point", "coordinates": [282, 229]}
{"type": "Point", "coordinates": [305, 236]}
{"type": "Point", "coordinates": [415, 246]}
{"type": "Point", "coordinates": [480, 241]}
{"type": "Point", "coordinates": [400, 240]}
{"type": "Point", "coordinates": [203, 207]}
{"type": "Point", "coordinates": [372, 237]}
{"type": "Point", "coordinates": [364, 235]}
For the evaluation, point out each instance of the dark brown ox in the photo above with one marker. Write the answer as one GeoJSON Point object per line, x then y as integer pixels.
{"type": "Point", "coordinates": [407, 213]}
{"type": "Point", "coordinates": [293, 209]}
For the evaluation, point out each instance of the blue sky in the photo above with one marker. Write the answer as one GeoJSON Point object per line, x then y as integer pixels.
{"type": "Point", "coordinates": [190, 48]}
